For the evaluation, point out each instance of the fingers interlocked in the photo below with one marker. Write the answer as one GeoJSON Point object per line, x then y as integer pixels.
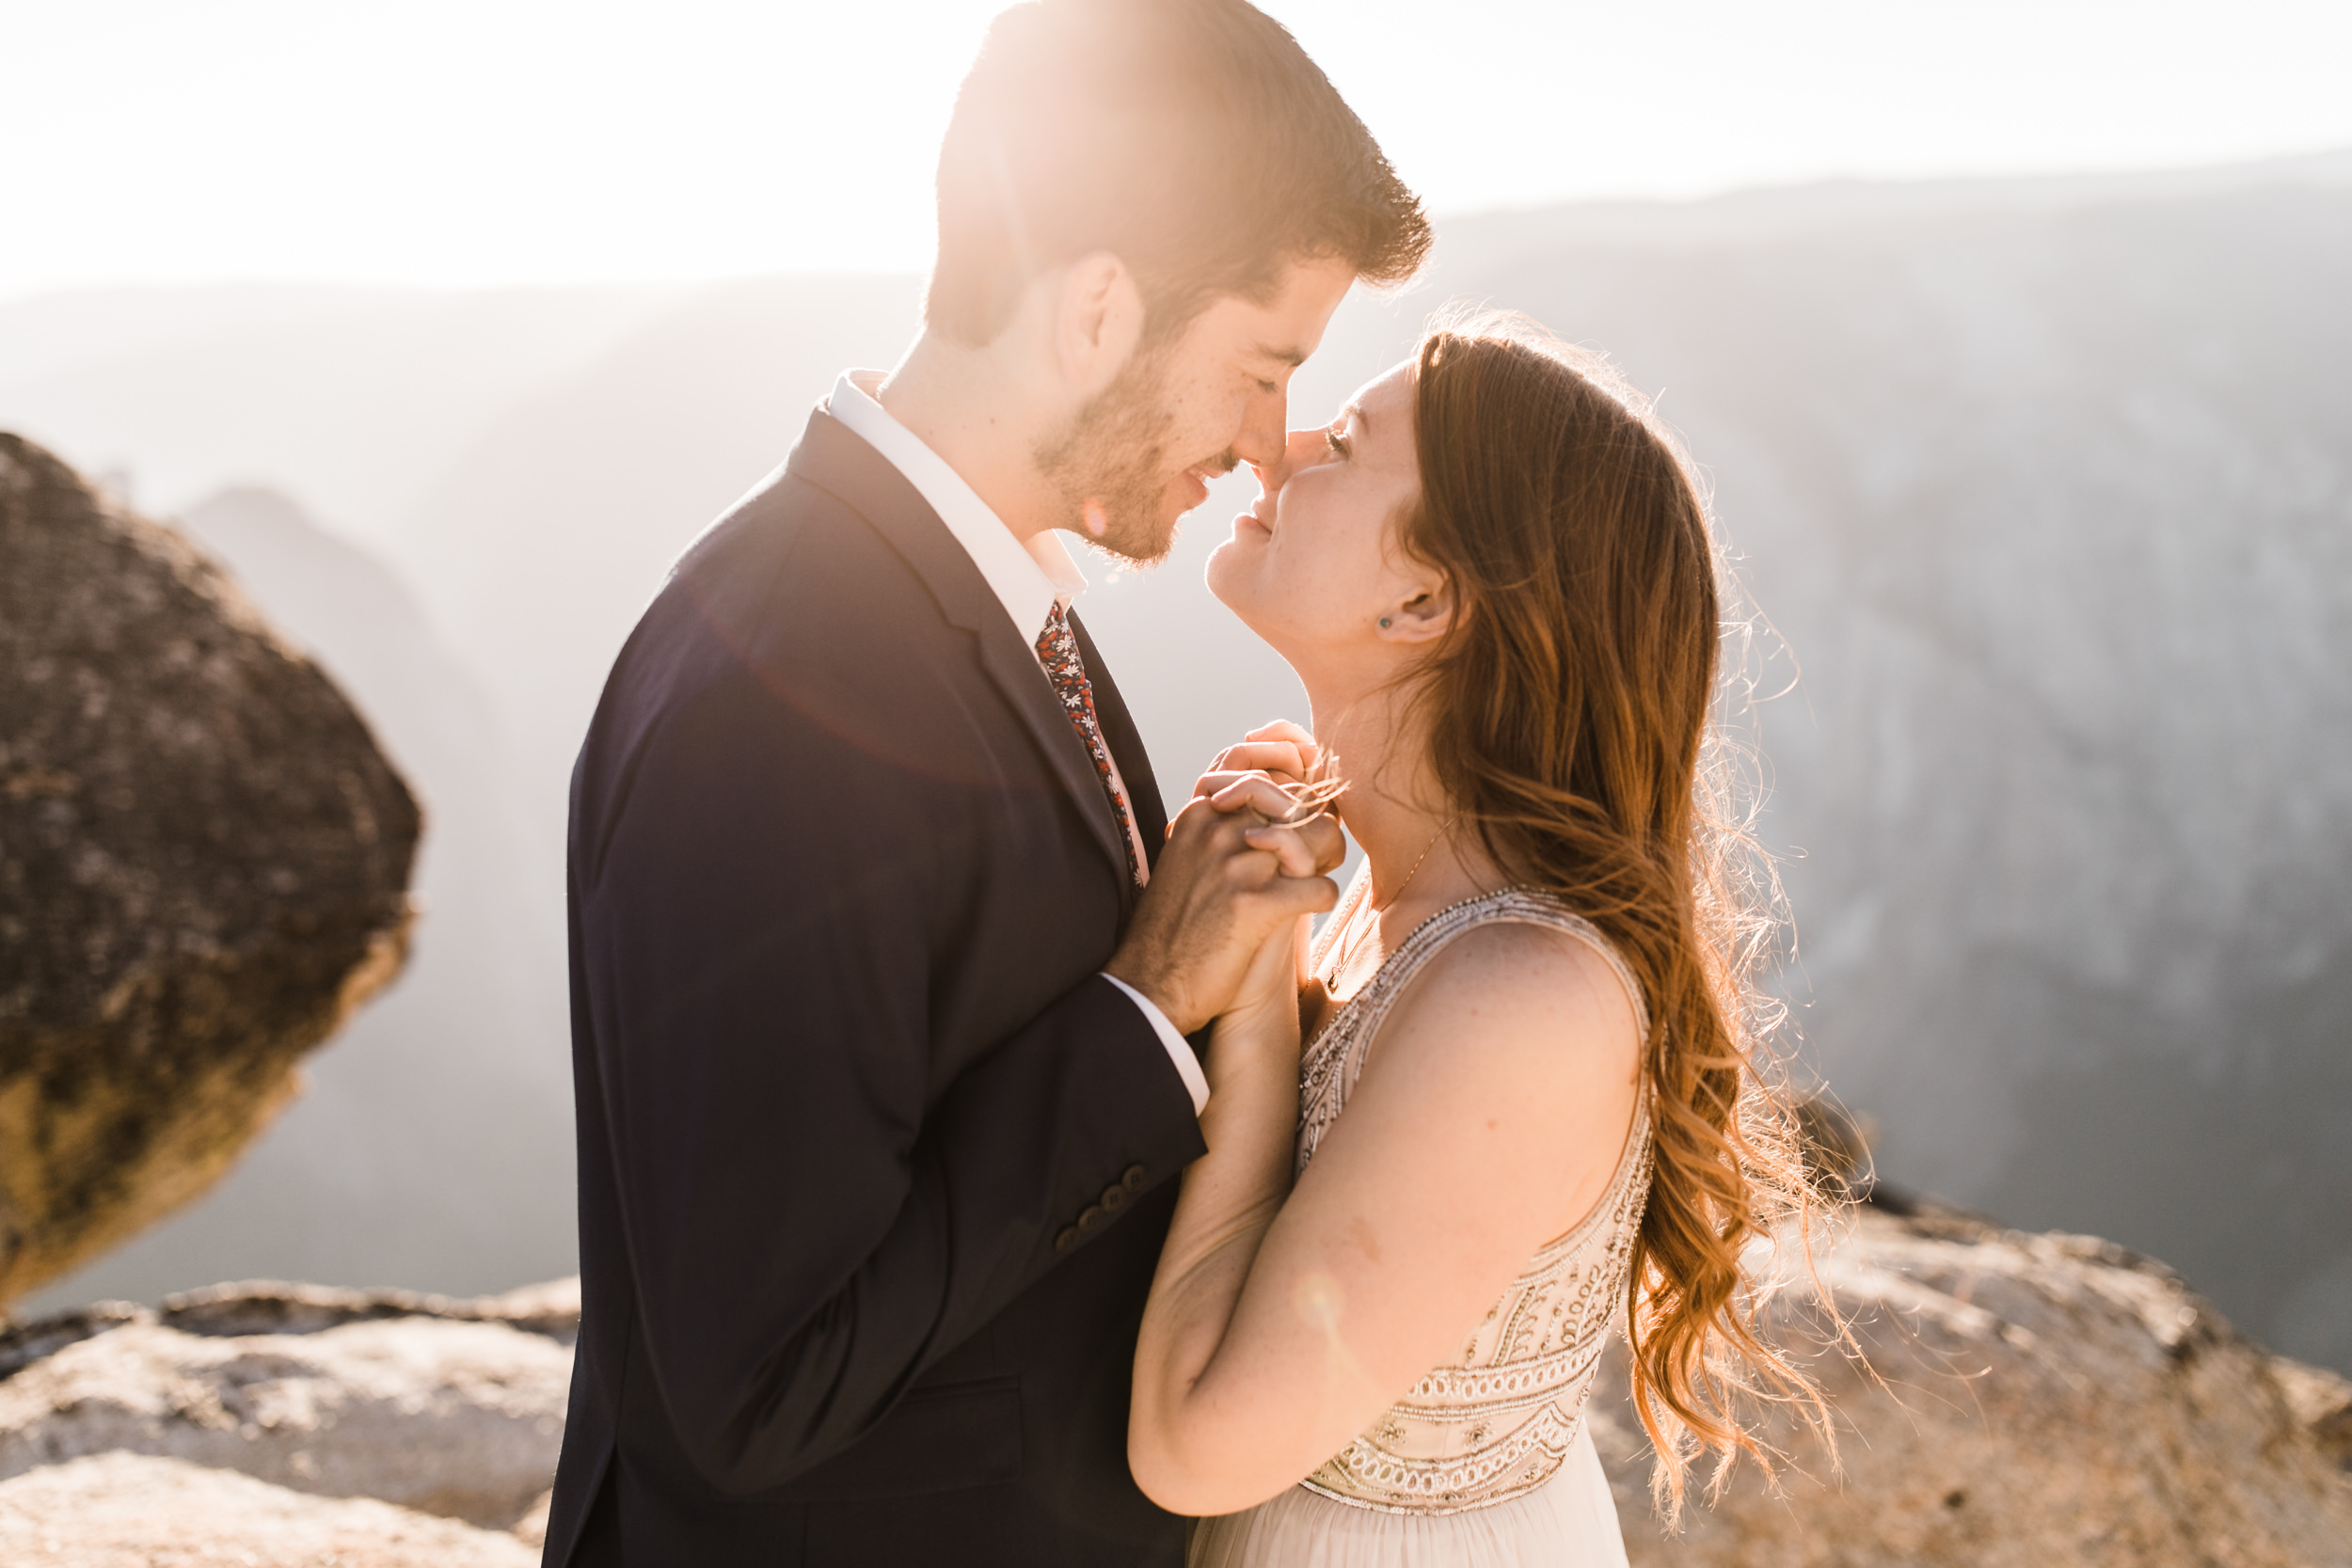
{"type": "Point", "coordinates": [1300, 849]}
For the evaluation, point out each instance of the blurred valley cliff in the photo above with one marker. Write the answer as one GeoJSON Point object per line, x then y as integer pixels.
{"type": "Point", "coordinates": [2045, 488]}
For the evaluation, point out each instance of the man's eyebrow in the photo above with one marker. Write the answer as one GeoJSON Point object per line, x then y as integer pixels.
{"type": "Point", "coordinates": [1290, 356]}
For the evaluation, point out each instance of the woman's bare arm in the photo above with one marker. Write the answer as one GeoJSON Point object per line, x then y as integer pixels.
{"type": "Point", "coordinates": [1491, 1113]}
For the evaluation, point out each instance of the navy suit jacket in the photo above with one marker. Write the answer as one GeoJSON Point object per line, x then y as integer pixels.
{"type": "Point", "coordinates": [847, 1078]}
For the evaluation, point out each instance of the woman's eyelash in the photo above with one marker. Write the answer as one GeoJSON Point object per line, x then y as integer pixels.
{"type": "Point", "coordinates": [1336, 441]}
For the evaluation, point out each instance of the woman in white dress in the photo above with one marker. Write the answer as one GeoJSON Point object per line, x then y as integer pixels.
{"type": "Point", "coordinates": [1528, 1096]}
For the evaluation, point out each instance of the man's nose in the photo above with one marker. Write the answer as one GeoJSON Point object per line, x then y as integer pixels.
{"type": "Point", "coordinates": [1262, 441]}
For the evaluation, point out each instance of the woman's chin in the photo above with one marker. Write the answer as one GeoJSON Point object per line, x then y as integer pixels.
{"type": "Point", "coordinates": [1225, 574]}
{"type": "Point", "coordinates": [1237, 592]}
{"type": "Point", "coordinates": [1235, 574]}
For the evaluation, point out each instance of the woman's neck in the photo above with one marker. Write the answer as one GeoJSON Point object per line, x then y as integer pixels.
{"type": "Point", "coordinates": [1394, 807]}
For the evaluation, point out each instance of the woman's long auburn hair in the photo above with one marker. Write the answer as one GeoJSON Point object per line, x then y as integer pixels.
{"type": "Point", "coordinates": [1572, 712]}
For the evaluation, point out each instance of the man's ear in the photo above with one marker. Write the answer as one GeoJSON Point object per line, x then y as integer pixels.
{"type": "Point", "coordinates": [1421, 617]}
{"type": "Point", "coordinates": [1098, 320]}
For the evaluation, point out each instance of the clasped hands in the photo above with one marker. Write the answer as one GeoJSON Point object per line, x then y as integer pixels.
{"type": "Point", "coordinates": [1243, 865]}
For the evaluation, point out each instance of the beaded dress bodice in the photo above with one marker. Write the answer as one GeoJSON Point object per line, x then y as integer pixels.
{"type": "Point", "coordinates": [1495, 1422]}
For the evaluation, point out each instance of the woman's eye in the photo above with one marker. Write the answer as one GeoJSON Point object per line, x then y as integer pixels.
{"type": "Point", "coordinates": [1337, 442]}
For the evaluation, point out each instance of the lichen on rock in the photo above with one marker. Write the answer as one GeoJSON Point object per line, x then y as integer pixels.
{"type": "Point", "coordinates": [204, 864]}
{"type": "Point", "coordinates": [2021, 1399]}
{"type": "Point", "coordinates": [453, 1408]}
{"type": "Point", "coordinates": [136, 1510]}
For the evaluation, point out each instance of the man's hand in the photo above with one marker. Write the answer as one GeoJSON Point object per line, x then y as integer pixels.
{"type": "Point", "coordinates": [1228, 878]}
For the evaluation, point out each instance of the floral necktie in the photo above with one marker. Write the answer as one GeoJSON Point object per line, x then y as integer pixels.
{"type": "Point", "coordinates": [1057, 649]}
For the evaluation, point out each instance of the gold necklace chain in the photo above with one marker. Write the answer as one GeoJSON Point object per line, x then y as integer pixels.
{"type": "Point", "coordinates": [1356, 943]}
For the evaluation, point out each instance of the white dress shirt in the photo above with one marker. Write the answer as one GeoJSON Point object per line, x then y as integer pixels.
{"type": "Point", "coordinates": [1029, 579]}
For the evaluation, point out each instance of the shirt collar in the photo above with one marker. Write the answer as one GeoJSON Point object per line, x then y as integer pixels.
{"type": "Point", "coordinates": [1030, 578]}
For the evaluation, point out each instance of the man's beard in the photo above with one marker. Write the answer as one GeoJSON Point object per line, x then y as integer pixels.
{"type": "Point", "coordinates": [1109, 465]}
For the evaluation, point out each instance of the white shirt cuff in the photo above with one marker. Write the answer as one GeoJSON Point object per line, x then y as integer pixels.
{"type": "Point", "coordinates": [1179, 1051]}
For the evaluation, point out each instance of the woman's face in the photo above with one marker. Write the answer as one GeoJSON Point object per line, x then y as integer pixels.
{"type": "Point", "coordinates": [1313, 566]}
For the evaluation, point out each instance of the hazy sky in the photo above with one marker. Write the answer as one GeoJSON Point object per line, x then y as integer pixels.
{"type": "Point", "coordinates": [486, 141]}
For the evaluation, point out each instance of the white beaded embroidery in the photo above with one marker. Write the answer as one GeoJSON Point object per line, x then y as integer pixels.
{"type": "Point", "coordinates": [1499, 1424]}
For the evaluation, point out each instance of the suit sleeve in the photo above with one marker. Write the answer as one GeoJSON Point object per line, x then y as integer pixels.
{"type": "Point", "coordinates": [809, 1223]}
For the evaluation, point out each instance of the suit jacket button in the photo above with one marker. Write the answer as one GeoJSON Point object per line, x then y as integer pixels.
{"type": "Point", "coordinates": [1114, 1199]}
{"type": "Point", "coordinates": [1091, 1217]}
{"type": "Point", "coordinates": [1132, 1179]}
{"type": "Point", "coordinates": [1067, 1239]}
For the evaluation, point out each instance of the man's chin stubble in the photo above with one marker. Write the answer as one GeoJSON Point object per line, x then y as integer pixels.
{"type": "Point", "coordinates": [1140, 546]}
{"type": "Point", "coordinates": [1134, 536]}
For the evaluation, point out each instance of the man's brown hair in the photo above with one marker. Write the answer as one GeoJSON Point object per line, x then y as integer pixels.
{"type": "Point", "coordinates": [1194, 139]}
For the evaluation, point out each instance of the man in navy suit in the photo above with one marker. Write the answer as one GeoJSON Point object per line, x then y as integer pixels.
{"type": "Point", "coordinates": [883, 955]}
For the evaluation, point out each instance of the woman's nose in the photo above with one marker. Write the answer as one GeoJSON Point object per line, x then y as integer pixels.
{"type": "Point", "coordinates": [1304, 448]}
{"type": "Point", "coordinates": [1301, 448]}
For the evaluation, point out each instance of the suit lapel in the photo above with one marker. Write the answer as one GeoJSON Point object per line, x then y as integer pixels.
{"type": "Point", "coordinates": [840, 463]}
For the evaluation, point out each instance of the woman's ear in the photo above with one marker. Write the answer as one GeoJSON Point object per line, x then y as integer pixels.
{"type": "Point", "coordinates": [1098, 320]}
{"type": "Point", "coordinates": [1423, 617]}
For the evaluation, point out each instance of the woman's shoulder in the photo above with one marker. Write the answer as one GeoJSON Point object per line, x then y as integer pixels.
{"type": "Point", "coordinates": [1521, 963]}
{"type": "Point", "coordinates": [1516, 1048]}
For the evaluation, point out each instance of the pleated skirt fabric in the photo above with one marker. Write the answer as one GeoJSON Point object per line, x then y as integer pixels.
{"type": "Point", "coordinates": [1569, 1522]}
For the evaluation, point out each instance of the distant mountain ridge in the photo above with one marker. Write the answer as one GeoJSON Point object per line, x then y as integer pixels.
{"type": "Point", "coordinates": [1818, 208]}
{"type": "Point", "coordinates": [2047, 484]}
